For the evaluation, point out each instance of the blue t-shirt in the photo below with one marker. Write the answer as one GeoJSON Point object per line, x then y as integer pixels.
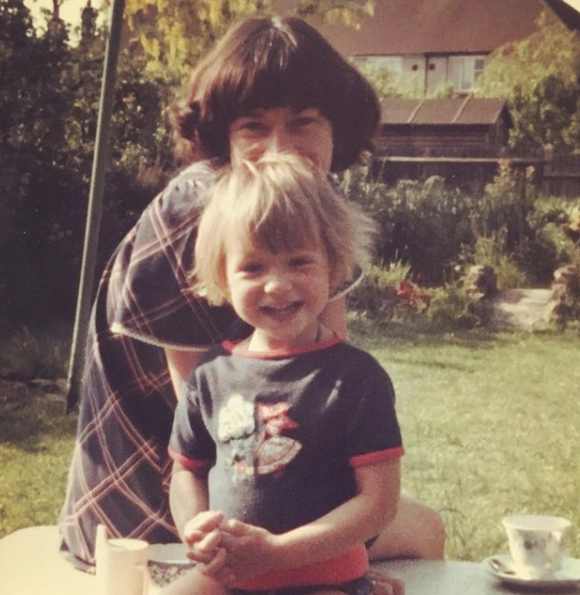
{"type": "Point", "coordinates": [283, 433]}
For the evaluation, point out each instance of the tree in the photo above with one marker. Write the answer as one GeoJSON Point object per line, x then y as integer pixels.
{"type": "Point", "coordinates": [385, 82]}
{"type": "Point", "coordinates": [540, 77]}
{"type": "Point", "coordinates": [175, 34]}
{"type": "Point", "coordinates": [49, 100]}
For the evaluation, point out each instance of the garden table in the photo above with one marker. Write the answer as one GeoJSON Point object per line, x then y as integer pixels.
{"type": "Point", "coordinates": [30, 564]}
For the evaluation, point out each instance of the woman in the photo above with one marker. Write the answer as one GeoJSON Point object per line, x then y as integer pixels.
{"type": "Point", "coordinates": [269, 84]}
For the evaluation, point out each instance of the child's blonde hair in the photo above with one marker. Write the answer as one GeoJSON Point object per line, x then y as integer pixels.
{"type": "Point", "coordinates": [281, 202]}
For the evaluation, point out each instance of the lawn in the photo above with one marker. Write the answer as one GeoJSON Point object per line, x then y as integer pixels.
{"type": "Point", "coordinates": [36, 441]}
{"type": "Point", "coordinates": [489, 424]}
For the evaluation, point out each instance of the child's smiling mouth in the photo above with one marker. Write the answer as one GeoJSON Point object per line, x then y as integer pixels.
{"type": "Point", "coordinates": [281, 311]}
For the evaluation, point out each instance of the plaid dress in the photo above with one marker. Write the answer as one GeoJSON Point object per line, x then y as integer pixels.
{"type": "Point", "coordinates": [119, 474]}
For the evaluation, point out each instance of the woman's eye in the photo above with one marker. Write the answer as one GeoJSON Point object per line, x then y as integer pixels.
{"type": "Point", "coordinates": [251, 268]}
{"type": "Point", "coordinates": [252, 126]}
{"type": "Point", "coordinates": [300, 262]}
{"type": "Point", "coordinates": [303, 121]}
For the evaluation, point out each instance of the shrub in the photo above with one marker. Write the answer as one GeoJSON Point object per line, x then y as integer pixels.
{"type": "Point", "coordinates": [488, 251]}
{"type": "Point", "coordinates": [49, 91]}
{"type": "Point", "coordinates": [375, 295]}
{"type": "Point", "coordinates": [389, 294]}
{"type": "Point", "coordinates": [451, 308]}
{"type": "Point", "coordinates": [40, 353]}
{"type": "Point", "coordinates": [423, 224]}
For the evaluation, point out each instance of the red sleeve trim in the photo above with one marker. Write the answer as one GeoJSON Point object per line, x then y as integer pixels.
{"type": "Point", "coordinates": [378, 456]}
{"type": "Point", "coordinates": [189, 464]}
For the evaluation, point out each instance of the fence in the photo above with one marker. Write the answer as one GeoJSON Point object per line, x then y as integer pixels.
{"type": "Point", "coordinates": [562, 176]}
{"type": "Point", "coordinates": [554, 174]}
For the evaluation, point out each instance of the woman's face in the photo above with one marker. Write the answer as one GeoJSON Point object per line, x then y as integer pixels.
{"type": "Point", "coordinates": [305, 132]}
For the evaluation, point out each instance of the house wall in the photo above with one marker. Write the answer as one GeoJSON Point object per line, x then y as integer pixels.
{"type": "Point", "coordinates": [420, 74]}
{"type": "Point", "coordinates": [437, 140]}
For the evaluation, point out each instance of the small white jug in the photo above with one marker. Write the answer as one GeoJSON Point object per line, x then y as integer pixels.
{"type": "Point", "coordinates": [121, 565]}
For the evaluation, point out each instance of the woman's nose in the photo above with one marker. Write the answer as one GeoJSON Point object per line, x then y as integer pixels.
{"type": "Point", "coordinates": [280, 140]}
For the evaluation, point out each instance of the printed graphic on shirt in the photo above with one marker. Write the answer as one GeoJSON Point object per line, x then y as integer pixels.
{"type": "Point", "coordinates": [255, 436]}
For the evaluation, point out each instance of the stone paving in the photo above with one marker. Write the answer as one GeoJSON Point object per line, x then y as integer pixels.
{"type": "Point", "coordinates": [521, 309]}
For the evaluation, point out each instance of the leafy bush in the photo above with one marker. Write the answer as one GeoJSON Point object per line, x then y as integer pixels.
{"type": "Point", "coordinates": [431, 235]}
{"type": "Point", "coordinates": [40, 353]}
{"type": "Point", "coordinates": [49, 92]}
{"type": "Point", "coordinates": [424, 224]}
{"type": "Point", "coordinates": [451, 308]}
{"type": "Point", "coordinates": [488, 251]}
{"type": "Point", "coordinates": [375, 296]}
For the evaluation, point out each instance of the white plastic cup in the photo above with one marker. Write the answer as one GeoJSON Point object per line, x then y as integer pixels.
{"type": "Point", "coordinates": [121, 567]}
{"type": "Point", "coordinates": [536, 543]}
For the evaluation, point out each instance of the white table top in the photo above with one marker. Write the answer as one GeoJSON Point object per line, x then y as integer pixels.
{"type": "Point", "coordinates": [30, 564]}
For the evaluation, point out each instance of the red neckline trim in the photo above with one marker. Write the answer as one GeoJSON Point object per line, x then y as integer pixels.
{"type": "Point", "coordinates": [282, 353]}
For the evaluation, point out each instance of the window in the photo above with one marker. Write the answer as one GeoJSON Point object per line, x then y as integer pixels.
{"type": "Point", "coordinates": [478, 66]}
{"type": "Point", "coordinates": [464, 71]}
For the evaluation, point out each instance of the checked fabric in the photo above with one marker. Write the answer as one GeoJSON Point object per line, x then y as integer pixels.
{"type": "Point", "coordinates": [120, 468]}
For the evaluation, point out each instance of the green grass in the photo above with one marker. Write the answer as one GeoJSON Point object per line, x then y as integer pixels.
{"type": "Point", "coordinates": [490, 425]}
{"type": "Point", "coordinates": [36, 442]}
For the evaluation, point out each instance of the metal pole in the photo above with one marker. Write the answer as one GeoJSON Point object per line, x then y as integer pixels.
{"type": "Point", "coordinates": [93, 224]}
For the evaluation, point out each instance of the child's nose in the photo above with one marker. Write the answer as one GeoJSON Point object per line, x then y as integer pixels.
{"type": "Point", "coordinates": [277, 284]}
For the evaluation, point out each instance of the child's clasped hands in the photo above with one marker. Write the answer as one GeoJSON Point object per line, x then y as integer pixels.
{"type": "Point", "coordinates": [228, 551]}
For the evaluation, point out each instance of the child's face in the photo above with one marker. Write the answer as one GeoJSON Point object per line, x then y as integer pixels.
{"type": "Point", "coordinates": [280, 294]}
{"type": "Point", "coordinates": [305, 132]}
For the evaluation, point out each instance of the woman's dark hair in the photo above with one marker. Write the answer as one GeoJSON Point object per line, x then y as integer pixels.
{"type": "Point", "coordinates": [266, 63]}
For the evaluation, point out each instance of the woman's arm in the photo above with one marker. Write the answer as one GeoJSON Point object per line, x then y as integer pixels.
{"type": "Point", "coordinates": [180, 364]}
{"type": "Point", "coordinates": [333, 317]}
{"type": "Point", "coordinates": [253, 550]}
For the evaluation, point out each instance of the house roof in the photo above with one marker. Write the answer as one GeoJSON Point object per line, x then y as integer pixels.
{"type": "Point", "coordinates": [456, 110]}
{"type": "Point", "coordinates": [441, 26]}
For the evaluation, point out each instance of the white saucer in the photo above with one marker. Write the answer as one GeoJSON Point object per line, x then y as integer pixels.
{"type": "Point", "coordinates": [567, 576]}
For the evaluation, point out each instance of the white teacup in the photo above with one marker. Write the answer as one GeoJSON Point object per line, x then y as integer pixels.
{"type": "Point", "coordinates": [121, 567]}
{"type": "Point", "coordinates": [536, 543]}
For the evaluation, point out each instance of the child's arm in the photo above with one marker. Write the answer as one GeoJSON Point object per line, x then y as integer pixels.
{"type": "Point", "coordinates": [197, 526]}
{"type": "Point", "coordinates": [253, 550]}
{"type": "Point", "coordinates": [188, 495]}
